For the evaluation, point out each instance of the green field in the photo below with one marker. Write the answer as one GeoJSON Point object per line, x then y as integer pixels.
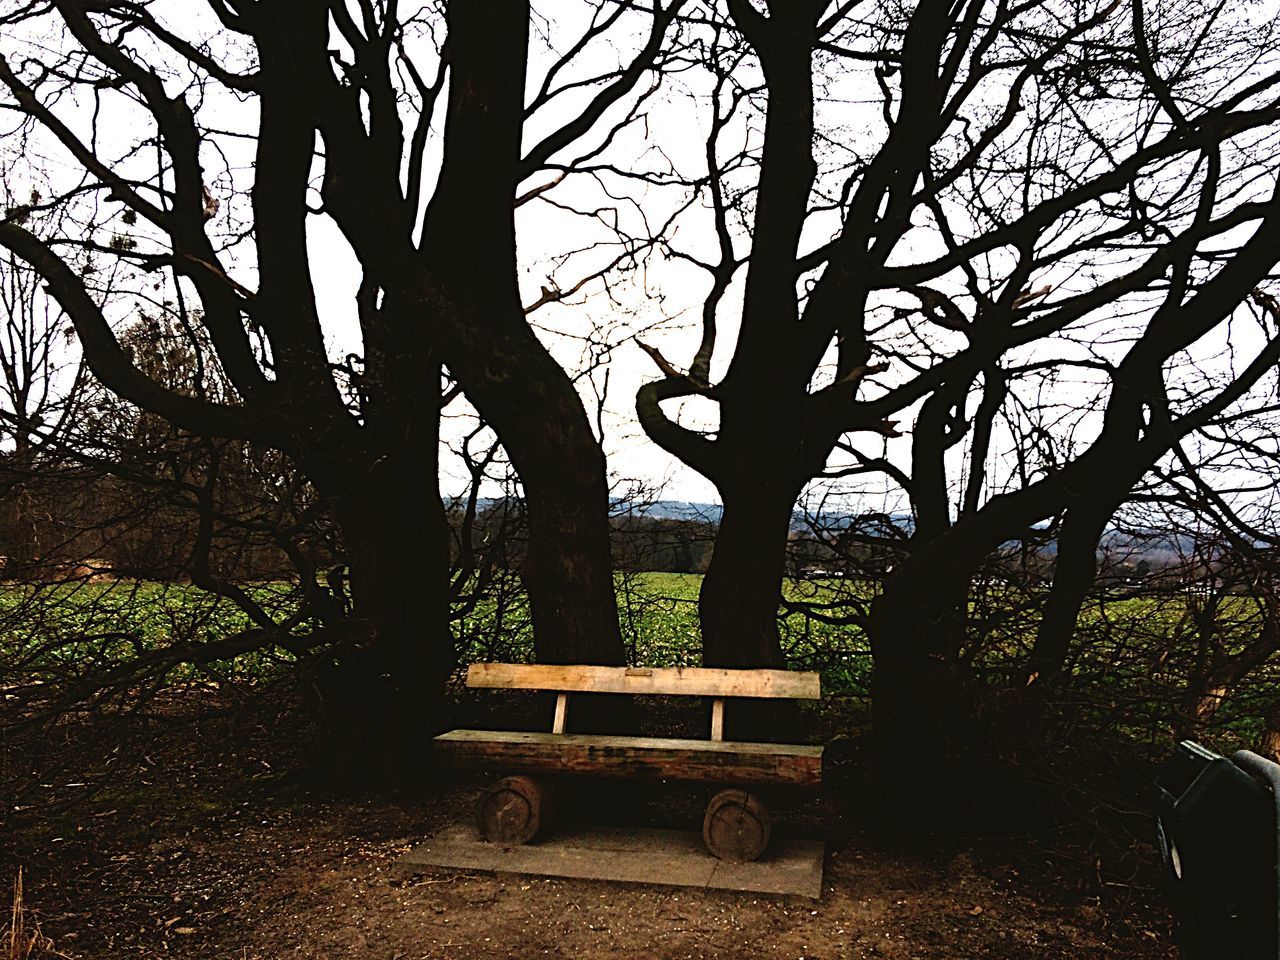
{"type": "Point", "coordinates": [1135, 654]}
{"type": "Point", "coordinates": [73, 629]}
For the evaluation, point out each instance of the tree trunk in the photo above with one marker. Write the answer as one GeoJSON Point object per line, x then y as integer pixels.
{"type": "Point", "coordinates": [1199, 708]}
{"type": "Point", "coordinates": [568, 569]}
{"type": "Point", "coordinates": [922, 703]}
{"type": "Point", "coordinates": [569, 566]}
{"type": "Point", "coordinates": [1075, 570]}
{"type": "Point", "coordinates": [1210, 686]}
{"type": "Point", "coordinates": [382, 695]}
{"type": "Point", "coordinates": [469, 289]}
{"type": "Point", "coordinates": [738, 603]}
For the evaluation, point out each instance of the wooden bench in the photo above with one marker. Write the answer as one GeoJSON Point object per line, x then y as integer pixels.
{"type": "Point", "coordinates": [737, 823]}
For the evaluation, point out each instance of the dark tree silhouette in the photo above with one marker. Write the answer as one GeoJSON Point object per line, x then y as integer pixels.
{"type": "Point", "coordinates": [946, 219]}
{"type": "Point", "coordinates": [213, 143]}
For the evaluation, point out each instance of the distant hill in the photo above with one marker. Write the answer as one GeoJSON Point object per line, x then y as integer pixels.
{"type": "Point", "coordinates": [712, 512]}
{"type": "Point", "coordinates": [1157, 548]}
{"type": "Point", "coordinates": [672, 510]}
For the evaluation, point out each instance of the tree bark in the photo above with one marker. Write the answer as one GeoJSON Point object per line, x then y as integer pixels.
{"type": "Point", "coordinates": [1199, 710]}
{"type": "Point", "coordinates": [738, 603]}
{"type": "Point", "coordinates": [569, 568]}
{"type": "Point", "coordinates": [739, 599]}
{"type": "Point", "coordinates": [382, 695]}
{"type": "Point", "coordinates": [922, 708]}
{"type": "Point", "coordinates": [1075, 569]}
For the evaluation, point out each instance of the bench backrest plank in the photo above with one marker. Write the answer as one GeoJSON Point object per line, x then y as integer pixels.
{"type": "Point", "coordinates": [678, 681]}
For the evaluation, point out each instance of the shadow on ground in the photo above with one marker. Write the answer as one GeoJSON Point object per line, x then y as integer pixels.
{"type": "Point", "coordinates": [200, 843]}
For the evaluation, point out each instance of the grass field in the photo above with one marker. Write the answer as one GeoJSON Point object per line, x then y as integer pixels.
{"type": "Point", "coordinates": [1136, 653]}
{"type": "Point", "coordinates": [77, 627]}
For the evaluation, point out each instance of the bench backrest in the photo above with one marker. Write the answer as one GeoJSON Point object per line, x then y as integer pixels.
{"type": "Point", "coordinates": [676, 681]}
{"type": "Point", "coordinates": [712, 682]}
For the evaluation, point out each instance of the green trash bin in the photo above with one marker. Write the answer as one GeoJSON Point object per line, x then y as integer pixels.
{"type": "Point", "coordinates": [1217, 825]}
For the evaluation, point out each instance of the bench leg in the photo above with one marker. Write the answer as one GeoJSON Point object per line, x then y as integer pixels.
{"type": "Point", "coordinates": [736, 826]}
{"type": "Point", "coordinates": [512, 810]}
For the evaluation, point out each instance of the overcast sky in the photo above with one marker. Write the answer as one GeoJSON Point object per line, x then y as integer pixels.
{"type": "Point", "coordinates": [660, 302]}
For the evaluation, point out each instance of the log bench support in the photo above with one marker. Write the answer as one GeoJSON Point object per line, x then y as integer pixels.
{"type": "Point", "coordinates": [737, 824]}
{"type": "Point", "coordinates": [511, 811]}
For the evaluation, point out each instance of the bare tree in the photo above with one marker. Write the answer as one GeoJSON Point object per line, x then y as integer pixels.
{"type": "Point", "coordinates": [40, 385]}
{"type": "Point", "coordinates": [1042, 207]}
{"type": "Point", "coordinates": [336, 111]}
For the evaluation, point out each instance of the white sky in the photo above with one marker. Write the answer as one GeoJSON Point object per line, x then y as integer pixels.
{"type": "Point", "coordinates": [661, 303]}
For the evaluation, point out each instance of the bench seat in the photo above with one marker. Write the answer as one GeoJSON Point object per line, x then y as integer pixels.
{"type": "Point", "coordinates": [703, 761]}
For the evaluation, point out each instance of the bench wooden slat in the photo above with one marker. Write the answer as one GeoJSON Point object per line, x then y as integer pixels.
{"type": "Point", "coordinates": [680, 681]}
{"type": "Point", "coordinates": [702, 761]}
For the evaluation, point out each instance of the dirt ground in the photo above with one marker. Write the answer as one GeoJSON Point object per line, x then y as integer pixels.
{"type": "Point", "coordinates": [206, 849]}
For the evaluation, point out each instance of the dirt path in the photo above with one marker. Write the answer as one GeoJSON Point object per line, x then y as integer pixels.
{"type": "Point", "coordinates": [875, 905]}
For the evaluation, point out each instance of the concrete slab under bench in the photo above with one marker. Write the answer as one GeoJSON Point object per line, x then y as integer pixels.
{"type": "Point", "coordinates": [669, 857]}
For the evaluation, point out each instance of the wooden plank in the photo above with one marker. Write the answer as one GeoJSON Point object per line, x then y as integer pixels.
{"type": "Point", "coordinates": [717, 718]}
{"type": "Point", "coordinates": [702, 761]}
{"type": "Point", "coordinates": [562, 713]}
{"type": "Point", "coordinates": [680, 681]}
